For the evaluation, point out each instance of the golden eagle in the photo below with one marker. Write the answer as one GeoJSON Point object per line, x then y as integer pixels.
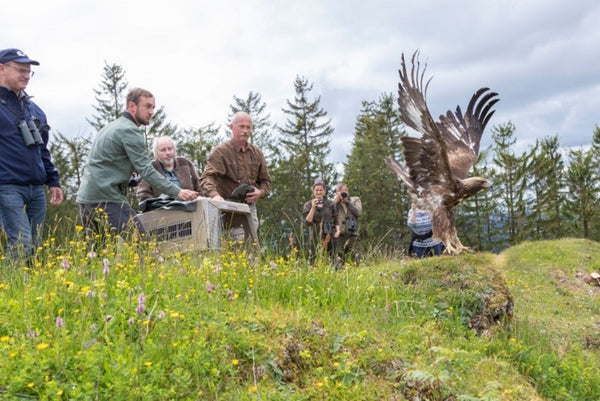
{"type": "Point", "coordinates": [438, 163]}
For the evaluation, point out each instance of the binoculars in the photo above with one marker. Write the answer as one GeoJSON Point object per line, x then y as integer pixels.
{"type": "Point", "coordinates": [31, 133]}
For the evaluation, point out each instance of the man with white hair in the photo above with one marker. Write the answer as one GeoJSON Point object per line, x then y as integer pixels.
{"type": "Point", "coordinates": [179, 170]}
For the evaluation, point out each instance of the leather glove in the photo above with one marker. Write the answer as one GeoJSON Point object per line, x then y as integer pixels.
{"type": "Point", "coordinates": [240, 191]}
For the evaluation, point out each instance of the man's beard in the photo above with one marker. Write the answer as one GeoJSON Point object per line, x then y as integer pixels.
{"type": "Point", "coordinates": [170, 162]}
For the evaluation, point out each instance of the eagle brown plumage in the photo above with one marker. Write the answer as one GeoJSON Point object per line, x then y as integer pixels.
{"type": "Point", "coordinates": [438, 163]}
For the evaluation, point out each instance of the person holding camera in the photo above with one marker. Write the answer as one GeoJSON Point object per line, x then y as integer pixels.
{"type": "Point", "coordinates": [25, 162]}
{"type": "Point", "coordinates": [348, 210]}
{"type": "Point", "coordinates": [320, 217]}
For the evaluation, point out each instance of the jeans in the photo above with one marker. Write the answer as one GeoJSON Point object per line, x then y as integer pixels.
{"type": "Point", "coordinates": [22, 215]}
{"type": "Point", "coordinates": [421, 252]}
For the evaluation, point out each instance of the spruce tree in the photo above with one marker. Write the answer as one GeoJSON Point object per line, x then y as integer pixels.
{"type": "Point", "coordinates": [546, 191]}
{"type": "Point", "coordinates": [196, 144]}
{"type": "Point", "coordinates": [302, 157]}
{"type": "Point", "coordinates": [68, 155]}
{"type": "Point", "coordinates": [477, 217]}
{"type": "Point", "coordinates": [306, 136]}
{"type": "Point", "coordinates": [110, 96]}
{"type": "Point", "coordinates": [385, 202]}
{"type": "Point", "coordinates": [159, 126]}
{"type": "Point", "coordinates": [581, 210]}
{"type": "Point", "coordinates": [510, 182]}
{"type": "Point", "coordinates": [595, 184]}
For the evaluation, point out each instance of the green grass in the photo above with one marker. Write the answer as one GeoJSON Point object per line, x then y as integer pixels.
{"type": "Point", "coordinates": [129, 323]}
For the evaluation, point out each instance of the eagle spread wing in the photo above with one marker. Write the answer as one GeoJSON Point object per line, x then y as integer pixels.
{"type": "Point", "coordinates": [439, 161]}
{"type": "Point", "coordinates": [426, 157]}
{"type": "Point", "coordinates": [462, 133]}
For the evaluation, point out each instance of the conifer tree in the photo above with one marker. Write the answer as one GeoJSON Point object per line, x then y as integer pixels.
{"type": "Point", "coordinates": [159, 126]}
{"type": "Point", "coordinates": [595, 169]}
{"type": "Point", "coordinates": [68, 156]}
{"type": "Point", "coordinates": [595, 149]}
{"type": "Point", "coordinates": [546, 192]}
{"type": "Point", "coordinates": [581, 205]}
{"type": "Point", "coordinates": [477, 217]}
{"type": "Point", "coordinates": [110, 96]}
{"type": "Point", "coordinates": [385, 201]}
{"type": "Point", "coordinates": [196, 144]}
{"type": "Point", "coordinates": [510, 182]}
{"type": "Point", "coordinates": [306, 136]}
{"type": "Point", "coordinates": [304, 147]}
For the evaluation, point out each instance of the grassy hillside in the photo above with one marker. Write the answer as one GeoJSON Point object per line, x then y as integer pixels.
{"type": "Point", "coordinates": [128, 323]}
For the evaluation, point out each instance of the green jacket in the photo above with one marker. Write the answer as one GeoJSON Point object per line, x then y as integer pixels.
{"type": "Point", "coordinates": [118, 150]}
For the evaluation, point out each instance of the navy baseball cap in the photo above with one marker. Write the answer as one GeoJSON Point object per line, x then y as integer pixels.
{"type": "Point", "coordinates": [15, 55]}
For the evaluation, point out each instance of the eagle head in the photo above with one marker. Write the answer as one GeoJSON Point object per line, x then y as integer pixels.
{"type": "Point", "coordinates": [473, 185]}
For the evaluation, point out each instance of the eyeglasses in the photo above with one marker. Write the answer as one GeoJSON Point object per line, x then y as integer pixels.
{"type": "Point", "coordinates": [21, 71]}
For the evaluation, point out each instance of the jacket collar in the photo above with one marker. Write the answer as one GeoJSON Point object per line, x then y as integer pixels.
{"type": "Point", "coordinates": [129, 117]}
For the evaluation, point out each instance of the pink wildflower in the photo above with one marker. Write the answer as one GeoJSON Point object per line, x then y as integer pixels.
{"type": "Point", "coordinates": [106, 268]}
{"type": "Point", "coordinates": [141, 303]}
{"type": "Point", "coordinates": [32, 333]}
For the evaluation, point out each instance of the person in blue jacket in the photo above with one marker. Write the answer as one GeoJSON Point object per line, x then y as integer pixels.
{"type": "Point", "coordinates": [422, 242]}
{"type": "Point", "coordinates": [25, 162]}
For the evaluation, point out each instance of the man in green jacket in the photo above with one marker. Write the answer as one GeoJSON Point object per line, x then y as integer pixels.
{"type": "Point", "coordinates": [118, 150]}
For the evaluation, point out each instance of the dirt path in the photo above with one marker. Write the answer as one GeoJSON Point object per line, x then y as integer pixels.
{"type": "Point", "coordinates": [500, 261]}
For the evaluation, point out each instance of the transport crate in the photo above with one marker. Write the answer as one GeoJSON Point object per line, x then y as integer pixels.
{"type": "Point", "coordinates": [204, 228]}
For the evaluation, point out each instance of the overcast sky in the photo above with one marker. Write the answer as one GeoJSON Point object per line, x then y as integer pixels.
{"type": "Point", "coordinates": [541, 56]}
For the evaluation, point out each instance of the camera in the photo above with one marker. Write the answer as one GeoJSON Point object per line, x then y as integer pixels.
{"type": "Point", "coordinates": [320, 202]}
{"type": "Point", "coordinates": [134, 180]}
{"type": "Point", "coordinates": [351, 224]}
{"type": "Point", "coordinates": [344, 194]}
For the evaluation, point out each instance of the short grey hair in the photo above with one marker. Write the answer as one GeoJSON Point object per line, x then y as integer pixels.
{"type": "Point", "coordinates": [160, 139]}
{"type": "Point", "coordinates": [340, 185]}
{"type": "Point", "coordinates": [238, 115]}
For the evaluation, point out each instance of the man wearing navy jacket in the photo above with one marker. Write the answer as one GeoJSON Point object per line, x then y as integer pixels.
{"type": "Point", "coordinates": [25, 163]}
